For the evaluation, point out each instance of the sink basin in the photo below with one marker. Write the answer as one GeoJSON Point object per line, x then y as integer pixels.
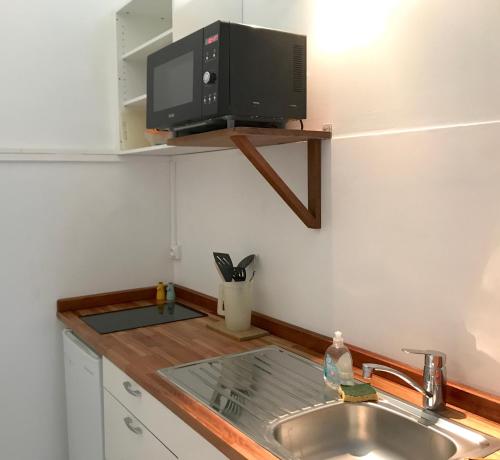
{"type": "Point", "coordinates": [350, 431]}
{"type": "Point", "coordinates": [375, 431]}
{"type": "Point", "coordinates": [279, 399]}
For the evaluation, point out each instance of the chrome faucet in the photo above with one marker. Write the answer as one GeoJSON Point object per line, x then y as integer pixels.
{"type": "Point", "coordinates": [434, 377]}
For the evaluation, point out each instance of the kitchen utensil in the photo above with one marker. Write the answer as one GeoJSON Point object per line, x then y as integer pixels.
{"type": "Point", "coordinates": [219, 272]}
{"type": "Point", "coordinates": [225, 265]}
{"type": "Point", "coordinates": [246, 261]}
{"type": "Point", "coordinates": [239, 274]}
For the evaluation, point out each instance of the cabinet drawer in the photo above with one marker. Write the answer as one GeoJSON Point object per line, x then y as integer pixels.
{"type": "Point", "coordinates": [125, 438]}
{"type": "Point", "coordinates": [186, 443]}
{"type": "Point", "coordinates": [124, 389]}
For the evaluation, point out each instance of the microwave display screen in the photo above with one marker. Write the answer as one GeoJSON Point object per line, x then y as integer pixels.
{"type": "Point", "coordinates": [211, 39]}
{"type": "Point", "coordinates": [173, 82]}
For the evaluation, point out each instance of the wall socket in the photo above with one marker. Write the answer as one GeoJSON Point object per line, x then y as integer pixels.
{"type": "Point", "coordinates": [176, 252]}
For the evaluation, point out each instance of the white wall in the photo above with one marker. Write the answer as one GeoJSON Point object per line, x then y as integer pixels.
{"type": "Point", "coordinates": [393, 63]}
{"type": "Point", "coordinates": [55, 85]}
{"type": "Point", "coordinates": [188, 18]}
{"type": "Point", "coordinates": [66, 229]}
{"type": "Point", "coordinates": [407, 255]}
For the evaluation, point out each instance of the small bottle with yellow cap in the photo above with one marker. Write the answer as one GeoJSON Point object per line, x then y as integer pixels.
{"type": "Point", "coordinates": [160, 292]}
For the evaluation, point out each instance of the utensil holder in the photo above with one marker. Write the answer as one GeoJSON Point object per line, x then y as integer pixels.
{"type": "Point", "coordinates": [235, 304]}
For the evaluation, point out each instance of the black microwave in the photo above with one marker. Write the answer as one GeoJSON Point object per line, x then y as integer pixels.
{"type": "Point", "coordinates": [226, 75]}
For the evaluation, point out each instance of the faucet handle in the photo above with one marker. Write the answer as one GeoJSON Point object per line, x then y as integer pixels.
{"type": "Point", "coordinates": [433, 358]}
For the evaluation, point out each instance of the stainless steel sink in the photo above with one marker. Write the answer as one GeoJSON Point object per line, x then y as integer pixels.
{"type": "Point", "coordinates": [278, 399]}
{"type": "Point", "coordinates": [372, 431]}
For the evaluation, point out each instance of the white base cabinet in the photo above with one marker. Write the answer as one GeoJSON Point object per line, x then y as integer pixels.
{"type": "Point", "coordinates": [163, 433]}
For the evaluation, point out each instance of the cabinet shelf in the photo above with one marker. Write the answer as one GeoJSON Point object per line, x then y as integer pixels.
{"type": "Point", "coordinates": [136, 102]}
{"type": "Point", "coordinates": [141, 52]}
{"type": "Point", "coordinates": [167, 150]}
{"type": "Point", "coordinates": [246, 139]}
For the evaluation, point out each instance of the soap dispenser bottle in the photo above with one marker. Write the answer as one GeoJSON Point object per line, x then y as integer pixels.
{"type": "Point", "coordinates": [337, 364]}
{"type": "Point", "coordinates": [170, 293]}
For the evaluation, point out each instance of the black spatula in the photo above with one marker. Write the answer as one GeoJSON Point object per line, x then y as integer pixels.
{"type": "Point", "coordinates": [246, 261]}
{"type": "Point", "coordinates": [225, 265]}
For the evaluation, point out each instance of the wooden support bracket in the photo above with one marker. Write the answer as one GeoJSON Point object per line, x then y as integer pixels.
{"type": "Point", "coordinates": [248, 138]}
{"type": "Point", "coordinates": [311, 216]}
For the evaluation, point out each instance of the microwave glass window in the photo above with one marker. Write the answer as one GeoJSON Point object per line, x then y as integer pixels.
{"type": "Point", "coordinates": [173, 82]}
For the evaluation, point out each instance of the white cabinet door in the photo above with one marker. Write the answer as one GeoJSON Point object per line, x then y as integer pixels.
{"type": "Point", "coordinates": [191, 15]}
{"type": "Point", "coordinates": [125, 438]}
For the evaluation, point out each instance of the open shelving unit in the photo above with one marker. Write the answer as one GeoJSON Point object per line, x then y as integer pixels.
{"type": "Point", "coordinates": [142, 27]}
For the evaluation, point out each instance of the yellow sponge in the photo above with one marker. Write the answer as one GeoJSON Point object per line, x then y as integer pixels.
{"type": "Point", "coordinates": [358, 393]}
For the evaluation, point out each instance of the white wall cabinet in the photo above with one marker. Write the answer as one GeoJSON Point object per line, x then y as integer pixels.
{"type": "Point", "coordinates": [172, 435]}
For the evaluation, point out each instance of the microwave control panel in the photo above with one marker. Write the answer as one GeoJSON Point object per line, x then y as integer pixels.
{"type": "Point", "coordinates": [210, 77]}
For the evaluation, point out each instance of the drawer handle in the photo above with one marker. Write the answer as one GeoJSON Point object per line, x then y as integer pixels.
{"type": "Point", "coordinates": [128, 387]}
{"type": "Point", "coordinates": [129, 422]}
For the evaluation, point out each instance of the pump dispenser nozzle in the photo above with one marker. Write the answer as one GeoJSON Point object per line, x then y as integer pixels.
{"type": "Point", "coordinates": [338, 339]}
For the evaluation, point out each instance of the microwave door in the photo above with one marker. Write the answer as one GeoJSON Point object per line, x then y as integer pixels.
{"type": "Point", "coordinates": [174, 83]}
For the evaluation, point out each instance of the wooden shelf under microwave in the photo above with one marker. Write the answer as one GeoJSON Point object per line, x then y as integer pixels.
{"type": "Point", "coordinates": [247, 139]}
{"type": "Point", "coordinates": [258, 136]}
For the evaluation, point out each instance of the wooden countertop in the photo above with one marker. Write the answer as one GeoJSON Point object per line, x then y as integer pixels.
{"type": "Point", "coordinates": [141, 352]}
